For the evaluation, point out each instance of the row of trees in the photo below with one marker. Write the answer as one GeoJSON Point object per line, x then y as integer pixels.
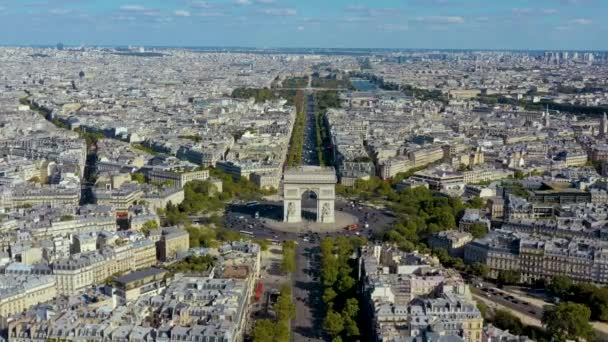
{"type": "Point", "coordinates": [593, 297]}
{"type": "Point", "coordinates": [262, 95]}
{"type": "Point", "coordinates": [296, 143]}
{"type": "Point", "coordinates": [322, 101]}
{"type": "Point", "coordinates": [288, 264]}
{"type": "Point", "coordinates": [538, 106]}
{"type": "Point", "coordinates": [505, 320]}
{"type": "Point", "coordinates": [202, 196]}
{"type": "Point", "coordinates": [566, 321]}
{"type": "Point", "coordinates": [338, 272]}
{"type": "Point", "coordinates": [277, 329]}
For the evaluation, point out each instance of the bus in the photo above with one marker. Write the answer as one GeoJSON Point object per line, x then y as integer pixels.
{"type": "Point", "coordinates": [251, 204]}
{"type": "Point", "coordinates": [245, 232]}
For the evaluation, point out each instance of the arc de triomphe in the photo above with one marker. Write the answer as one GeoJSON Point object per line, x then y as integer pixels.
{"type": "Point", "coordinates": [320, 180]}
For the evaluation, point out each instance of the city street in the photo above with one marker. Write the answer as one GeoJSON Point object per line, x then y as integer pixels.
{"type": "Point", "coordinates": [309, 150]}
{"type": "Point", "coordinates": [306, 287]}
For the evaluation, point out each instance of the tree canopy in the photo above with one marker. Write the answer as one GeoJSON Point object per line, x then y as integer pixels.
{"type": "Point", "coordinates": [568, 321]}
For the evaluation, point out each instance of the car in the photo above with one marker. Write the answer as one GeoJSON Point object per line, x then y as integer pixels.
{"type": "Point", "coordinates": [532, 312]}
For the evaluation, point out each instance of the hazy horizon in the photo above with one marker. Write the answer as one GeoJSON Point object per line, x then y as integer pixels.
{"type": "Point", "coordinates": [391, 24]}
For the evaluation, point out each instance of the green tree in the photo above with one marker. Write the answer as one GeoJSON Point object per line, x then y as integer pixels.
{"type": "Point", "coordinates": [351, 327]}
{"type": "Point", "coordinates": [263, 331]}
{"type": "Point", "coordinates": [328, 295]}
{"type": "Point", "coordinates": [284, 307]}
{"type": "Point", "coordinates": [351, 308]}
{"type": "Point", "coordinates": [477, 203]}
{"type": "Point", "coordinates": [281, 331]}
{"type": "Point", "coordinates": [333, 323]}
{"type": "Point", "coordinates": [480, 270]}
{"type": "Point", "coordinates": [519, 174]}
{"type": "Point", "coordinates": [508, 277]}
{"type": "Point", "coordinates": [568, 321]}
{"type": "Point", "coordinates": [505, 320]}
{"type": "Point", "coordinates": [138, 177]}
{"type": "Point", "coordinates": [345, 283]}
{"type": "Point", "coordinates": [560, 286]}
{"type": "Point", "coordinates": [478, 230]}
{"type": "Point", "coordinates": [483, 309]}
{"type": "Point", "coordinates": [149, 226]}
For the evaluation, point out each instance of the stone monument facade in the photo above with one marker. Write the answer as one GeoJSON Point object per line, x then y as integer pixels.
{"type": "Point", "coordinates": [320, 180]}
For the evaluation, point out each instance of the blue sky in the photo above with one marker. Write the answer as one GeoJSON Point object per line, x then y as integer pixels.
{"type": "Point", "coordinates": [491, 24]}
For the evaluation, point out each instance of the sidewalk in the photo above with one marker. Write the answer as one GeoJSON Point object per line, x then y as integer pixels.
{"type": "Point", "coordinates": [528, 320]}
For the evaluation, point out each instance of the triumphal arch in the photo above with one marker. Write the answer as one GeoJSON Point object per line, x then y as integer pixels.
{"type": "Point", "coordinates": [319, 180]}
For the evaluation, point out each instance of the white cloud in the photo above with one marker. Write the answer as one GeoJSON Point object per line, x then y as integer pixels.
{"type": "Point", "coordinates": [581, 21]}
{"type": "Point", "coordinates": [393, 27]}
{"type": "Point", "coordinates": [522, 11]}
{"type": "Point", "coordinates": [60, 11]}
{"type": "Point", "coordinates": [280, 12]}
{"type": "Point", "coordinates": [548, 11]}
{"type": "Point", "coordinates": [181, 13]}
{"type": "Point", "coordinates": [199, 4]}
{"type": "Point", "coordinates": [356, 8]}
{"type": "Point", "coordinates": [265, 2]}
{"type": "Point", "coordinates": [133, 8]}
{"type": "Point", "coordinates": [242, 2]}
{"type": "Point", "coordinates": [357, 19]}
{"type": "Point", "coordinates": [209, 14]}
{"type": "Point", "coordinates": [300, 28]}
{"type": "Point", "coordinates": [441, 19]}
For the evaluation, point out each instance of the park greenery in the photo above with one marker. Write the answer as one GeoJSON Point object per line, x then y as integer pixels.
{"type": "Point", "coordinates": [593, 297]}
{"type": "Point", "coordinates": [138, 177]}
{"type": "Point", "coordinates": [295, 82]}
{"type": "Point", "coordinates": [407, 89]}
{"type": "Point", "coordinates": [90, 138]}
{"type": "Point", "coordinates": [338, 279]}
{"type": "Point", "coordinates": [331, 81]}
{"type": "Point", "coordinates": [202, 197]}
{"type": "Point", "coordinates": [288, 90]}
{"type": "Point", "coordinates": [277, 329]}
{"type": "Point", "coordinates": [505, 320]}
{"type": "Point", "coordinates": [568, 321]}
{"type": "Point", "coordinates": [543, 105]}
{"type": "Point", "coordinates": [376, 80]}
{"type": "Point", "coordinates": [262, 95]}
{"type": "Point", "coordinates": [149, 226]}
{"type": "Point", "coordinates": [143, 148]}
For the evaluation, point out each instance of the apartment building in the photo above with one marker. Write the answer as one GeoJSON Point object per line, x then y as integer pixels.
{"type": "Point", "coordinates": [80, 271]}
{"type": "Point", "coordinates": [19, 292]}
{"type": "Point", "coordinates": [175, 178]}
{"type": "Point", "coordinates": [534, 257]}
{"type": "Point", "coordinates": [173, 241]}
